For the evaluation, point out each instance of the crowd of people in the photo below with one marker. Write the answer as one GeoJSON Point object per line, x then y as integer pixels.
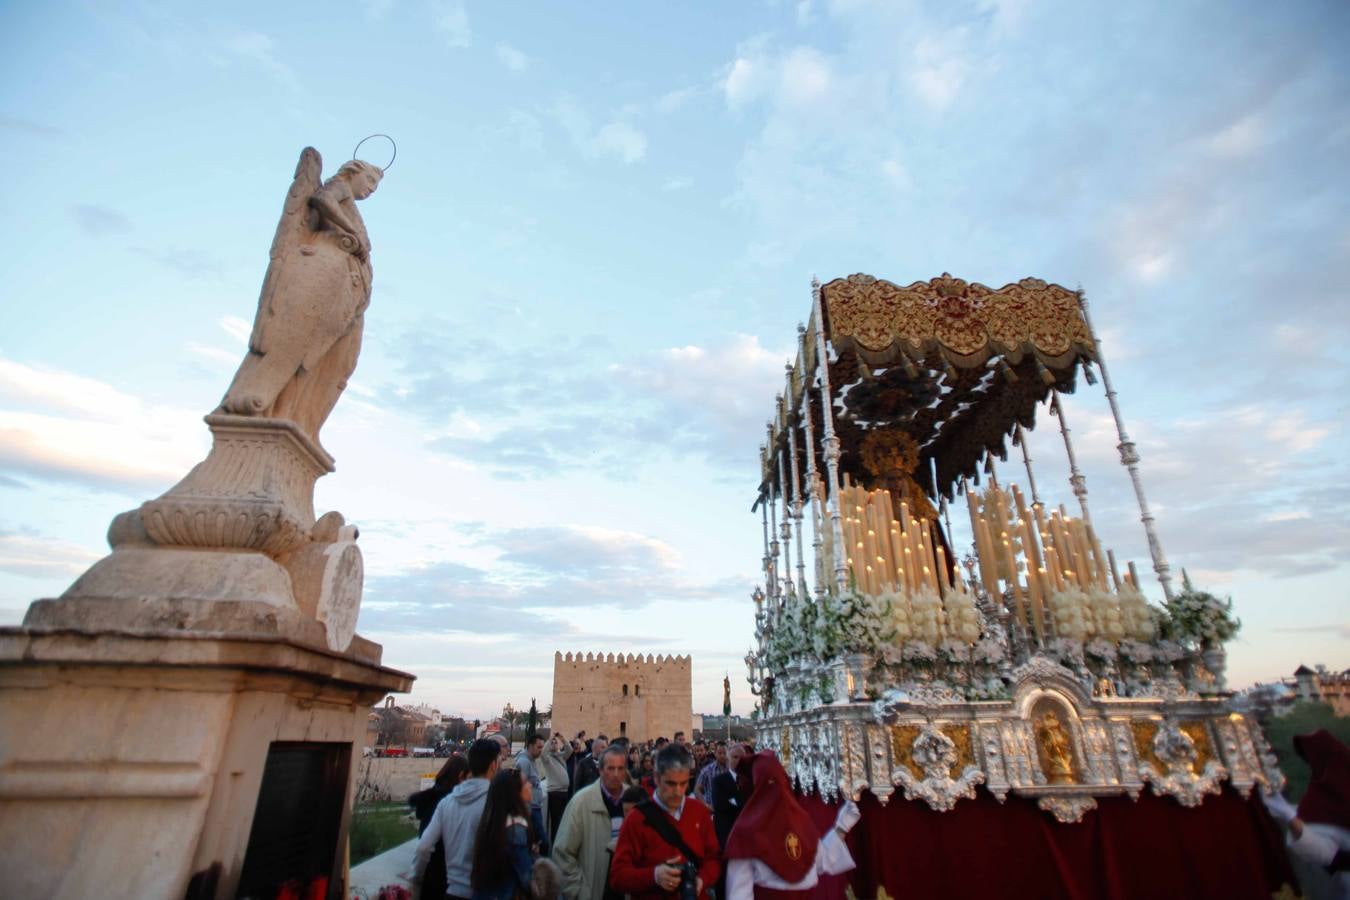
{"type": "Point", "coordinates": [594, 819]}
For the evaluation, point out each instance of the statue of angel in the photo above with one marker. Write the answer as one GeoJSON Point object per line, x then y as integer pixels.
{"type": "Point", "coordinates": [307, 332]}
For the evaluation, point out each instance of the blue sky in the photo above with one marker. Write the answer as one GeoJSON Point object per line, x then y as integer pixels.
{"type": "Point", "coordinates": [591, 256]}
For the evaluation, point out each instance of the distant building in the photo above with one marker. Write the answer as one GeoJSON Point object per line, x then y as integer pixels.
{"type": "Point", "coordinates": [1307, 685]}
{"type": "Point", "coordinates": [1335, 690]}
{"type": "Point", "coordinates": [1321, 686]}
{"type": "Point", "coordinates": [1265, 701]}
{"type": "Point", "coordinates": [431, 713]}
{"type": "Point", "coordinates": [630, 696]}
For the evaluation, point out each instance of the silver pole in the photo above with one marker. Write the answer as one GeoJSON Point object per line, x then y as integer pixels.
{"type": "Point", "coordinates": [1129, 457]}
{"type": "Point", "coordinates": [1076, 479]}
{"type": "Point", "coordinates": [831, 441]}
{"type": "Point", "coordinates": [817, 539]}
{"type": "Point", "coordinates": [796, 486]}
{"type": "Point", "coordinates": [1026, 459]}
{"type": "Point", "coordinates": [785, 525]}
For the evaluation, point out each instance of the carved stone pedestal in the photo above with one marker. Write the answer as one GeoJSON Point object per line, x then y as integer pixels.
{"type": "Point", "coordinates": [132, 764]}
{"type": "Point", "coordinates": [255, 491]}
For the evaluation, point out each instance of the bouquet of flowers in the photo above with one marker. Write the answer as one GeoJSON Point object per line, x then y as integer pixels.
{"type": "Point", "coordinates": [926, 616]}
{"type": "Point", "coordinates": [1107, 619]}
{"type": "Point", "coordinates": [1073, 616]}
{"type": "Point", "coordinates": [1135, 614]}
{"type": "Point", "coordinates": [963, 621]}
{"type": "Point", "coordinates": [1200, 617]}
{"type": "Point", "coordinates": [988, 651]}
{"type": "Point", "coordinates": [919, 654]}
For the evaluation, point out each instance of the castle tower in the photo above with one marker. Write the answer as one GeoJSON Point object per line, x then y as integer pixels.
{"type": "Point", "coordinates": [634, 696]}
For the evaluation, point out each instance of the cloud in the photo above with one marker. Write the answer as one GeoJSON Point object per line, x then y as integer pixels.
{"type": "Point", "coordinates": [237, 328]}
{"type": "Point", "coordinates": [257, 48]}
{"type": "Point", "coordinates": [804, 77]}
{"type": "Point", "coordinates": [1248, 488]}
{"type": "Point", "coordinates": [743, 82]}
{"type": "Point", "coordinates": [1340, 629]}
{"type": "Point", "coordinates": [1240, 138]}
{"type": "Point", "coordinates": [679, 183]}
{"type": "Point", "coordinates": [895, 172]}
{"type": "Point", "coordinates": [621, 140]}
{"type": "Point", "coordinates": [539, 570]}
{"type": "Point", "coordinates": [191, 263]}
{"type": "Point", "coordinates": [539, 411]}
{"type": "Point", "coordinates": [512, 58]}
{"type": "Point", "coordinates": [99, 221]}
{"type": "Point", "coordinates": [670, 101]}
{"type": "Point", "coordinates": [27, 554]}
{"type": "Point", "coordinates": [62, 427]}
{"type": "Point", "coordinates": [616, 138]}
{"type": "Point", "coordinates": [938, 68]}
{"type": "Point", "coordinates": [452, 21]}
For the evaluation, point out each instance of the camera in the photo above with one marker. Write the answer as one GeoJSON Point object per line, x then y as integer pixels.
{"type": "Point", "coordinates": [688, 881]}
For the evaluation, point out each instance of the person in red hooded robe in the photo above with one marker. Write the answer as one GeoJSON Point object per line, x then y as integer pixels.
{"type": "Point", "coordinates": [1319, 829]}
{"type": "Point", "coordinates": [774, 844]}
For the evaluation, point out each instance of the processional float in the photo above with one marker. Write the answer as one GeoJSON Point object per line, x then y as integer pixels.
{"type": "Point", "coordinates": [889, 661]}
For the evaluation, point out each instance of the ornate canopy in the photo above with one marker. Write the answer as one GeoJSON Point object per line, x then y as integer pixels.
{"type": "Point", "coordinates": [955, 365]}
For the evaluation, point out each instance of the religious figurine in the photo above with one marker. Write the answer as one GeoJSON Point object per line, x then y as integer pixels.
{"type": "Point", "coordinates": [307, 331]}
{"type": "Point", "coordinates": [1056, 749]}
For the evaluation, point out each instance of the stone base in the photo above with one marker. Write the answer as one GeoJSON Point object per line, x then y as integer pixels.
{"type": "Point", "coordinates": [131, 762]}
{"type": "Point", "coordinates": [179, 573]}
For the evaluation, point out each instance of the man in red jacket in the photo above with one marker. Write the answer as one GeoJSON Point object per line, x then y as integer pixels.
{"type": "Point", "coordinates": [662, 836]}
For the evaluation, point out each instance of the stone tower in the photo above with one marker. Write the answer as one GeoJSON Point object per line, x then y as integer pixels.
{"type": "Point", "coordinates": [640, 697]}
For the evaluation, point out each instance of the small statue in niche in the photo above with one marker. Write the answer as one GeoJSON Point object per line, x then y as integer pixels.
{"type": "Point", "coordinates": [307, 331]}
{"type": "Point", "coordinates": [1056, 749]}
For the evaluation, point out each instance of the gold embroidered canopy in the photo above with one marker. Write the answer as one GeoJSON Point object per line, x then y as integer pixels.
{"type": "Point", "coordinates": [951, 365]}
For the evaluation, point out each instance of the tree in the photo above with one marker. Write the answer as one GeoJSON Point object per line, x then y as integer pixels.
{"type": "Point", "coordinates": [1302, 719]}
{"type": "Point", "coordinates": [512, 718]}
{"type": "Point", "coordinates": [532, 720]}
{"type": "Point", "coordinates": [393, 727]}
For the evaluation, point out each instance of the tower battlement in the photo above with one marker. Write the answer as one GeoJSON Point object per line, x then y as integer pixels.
{"type": "Point", "coordinates": [635, 695]}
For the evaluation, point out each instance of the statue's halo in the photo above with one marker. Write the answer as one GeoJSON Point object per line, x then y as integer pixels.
{"type": "Point", "coordinates": [385, 167]}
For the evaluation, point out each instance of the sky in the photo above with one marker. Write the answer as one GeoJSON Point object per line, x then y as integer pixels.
{"type": "Point", "coordinates": [591, 256]}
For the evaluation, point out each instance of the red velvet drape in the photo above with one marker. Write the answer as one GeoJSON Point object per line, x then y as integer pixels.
{"type": "Point", "coordinates": [1150, 848]}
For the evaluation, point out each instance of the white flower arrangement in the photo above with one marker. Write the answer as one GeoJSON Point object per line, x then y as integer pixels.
{"type": "Point", "coordinates": [988, 651]}
{"type": "Point", "coordinates": [926, 615]}
{"type": "Point", "coordinates": [963, 620]}
{"type": "Point", "coordinates": [1107, 619]}
{"type": "Point", "coordinates": [1200, 617]}
{"type": "Point", "coordinates": [953, 650]}
{"type": "Point", "coordinates": [1073, 617]}
{"type": "Point", "coordinates": [1136, 614]}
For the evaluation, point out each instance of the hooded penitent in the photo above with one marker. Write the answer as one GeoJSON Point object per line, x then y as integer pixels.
{"type": "Point", "coordinates": [772, 827]}
{"type": "Point", "coordinates": [1327, 799]}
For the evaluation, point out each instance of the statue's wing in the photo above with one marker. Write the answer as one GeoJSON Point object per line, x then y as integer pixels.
{"type": "Point", "coordinates": [295, 221]}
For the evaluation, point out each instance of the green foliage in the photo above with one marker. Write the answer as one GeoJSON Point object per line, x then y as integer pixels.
{"type": "Point", "coordinates": [1302, 719]}
{"type": "Point", "coordinates": [378, 827]}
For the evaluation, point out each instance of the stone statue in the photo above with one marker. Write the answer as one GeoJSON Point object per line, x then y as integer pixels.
{"type": "Point", "coordinates": [1056, 749]}
{"type": "Point", "coordinates": [235, 545]}
{"type": "Point", "coordinates": [307, 331]}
